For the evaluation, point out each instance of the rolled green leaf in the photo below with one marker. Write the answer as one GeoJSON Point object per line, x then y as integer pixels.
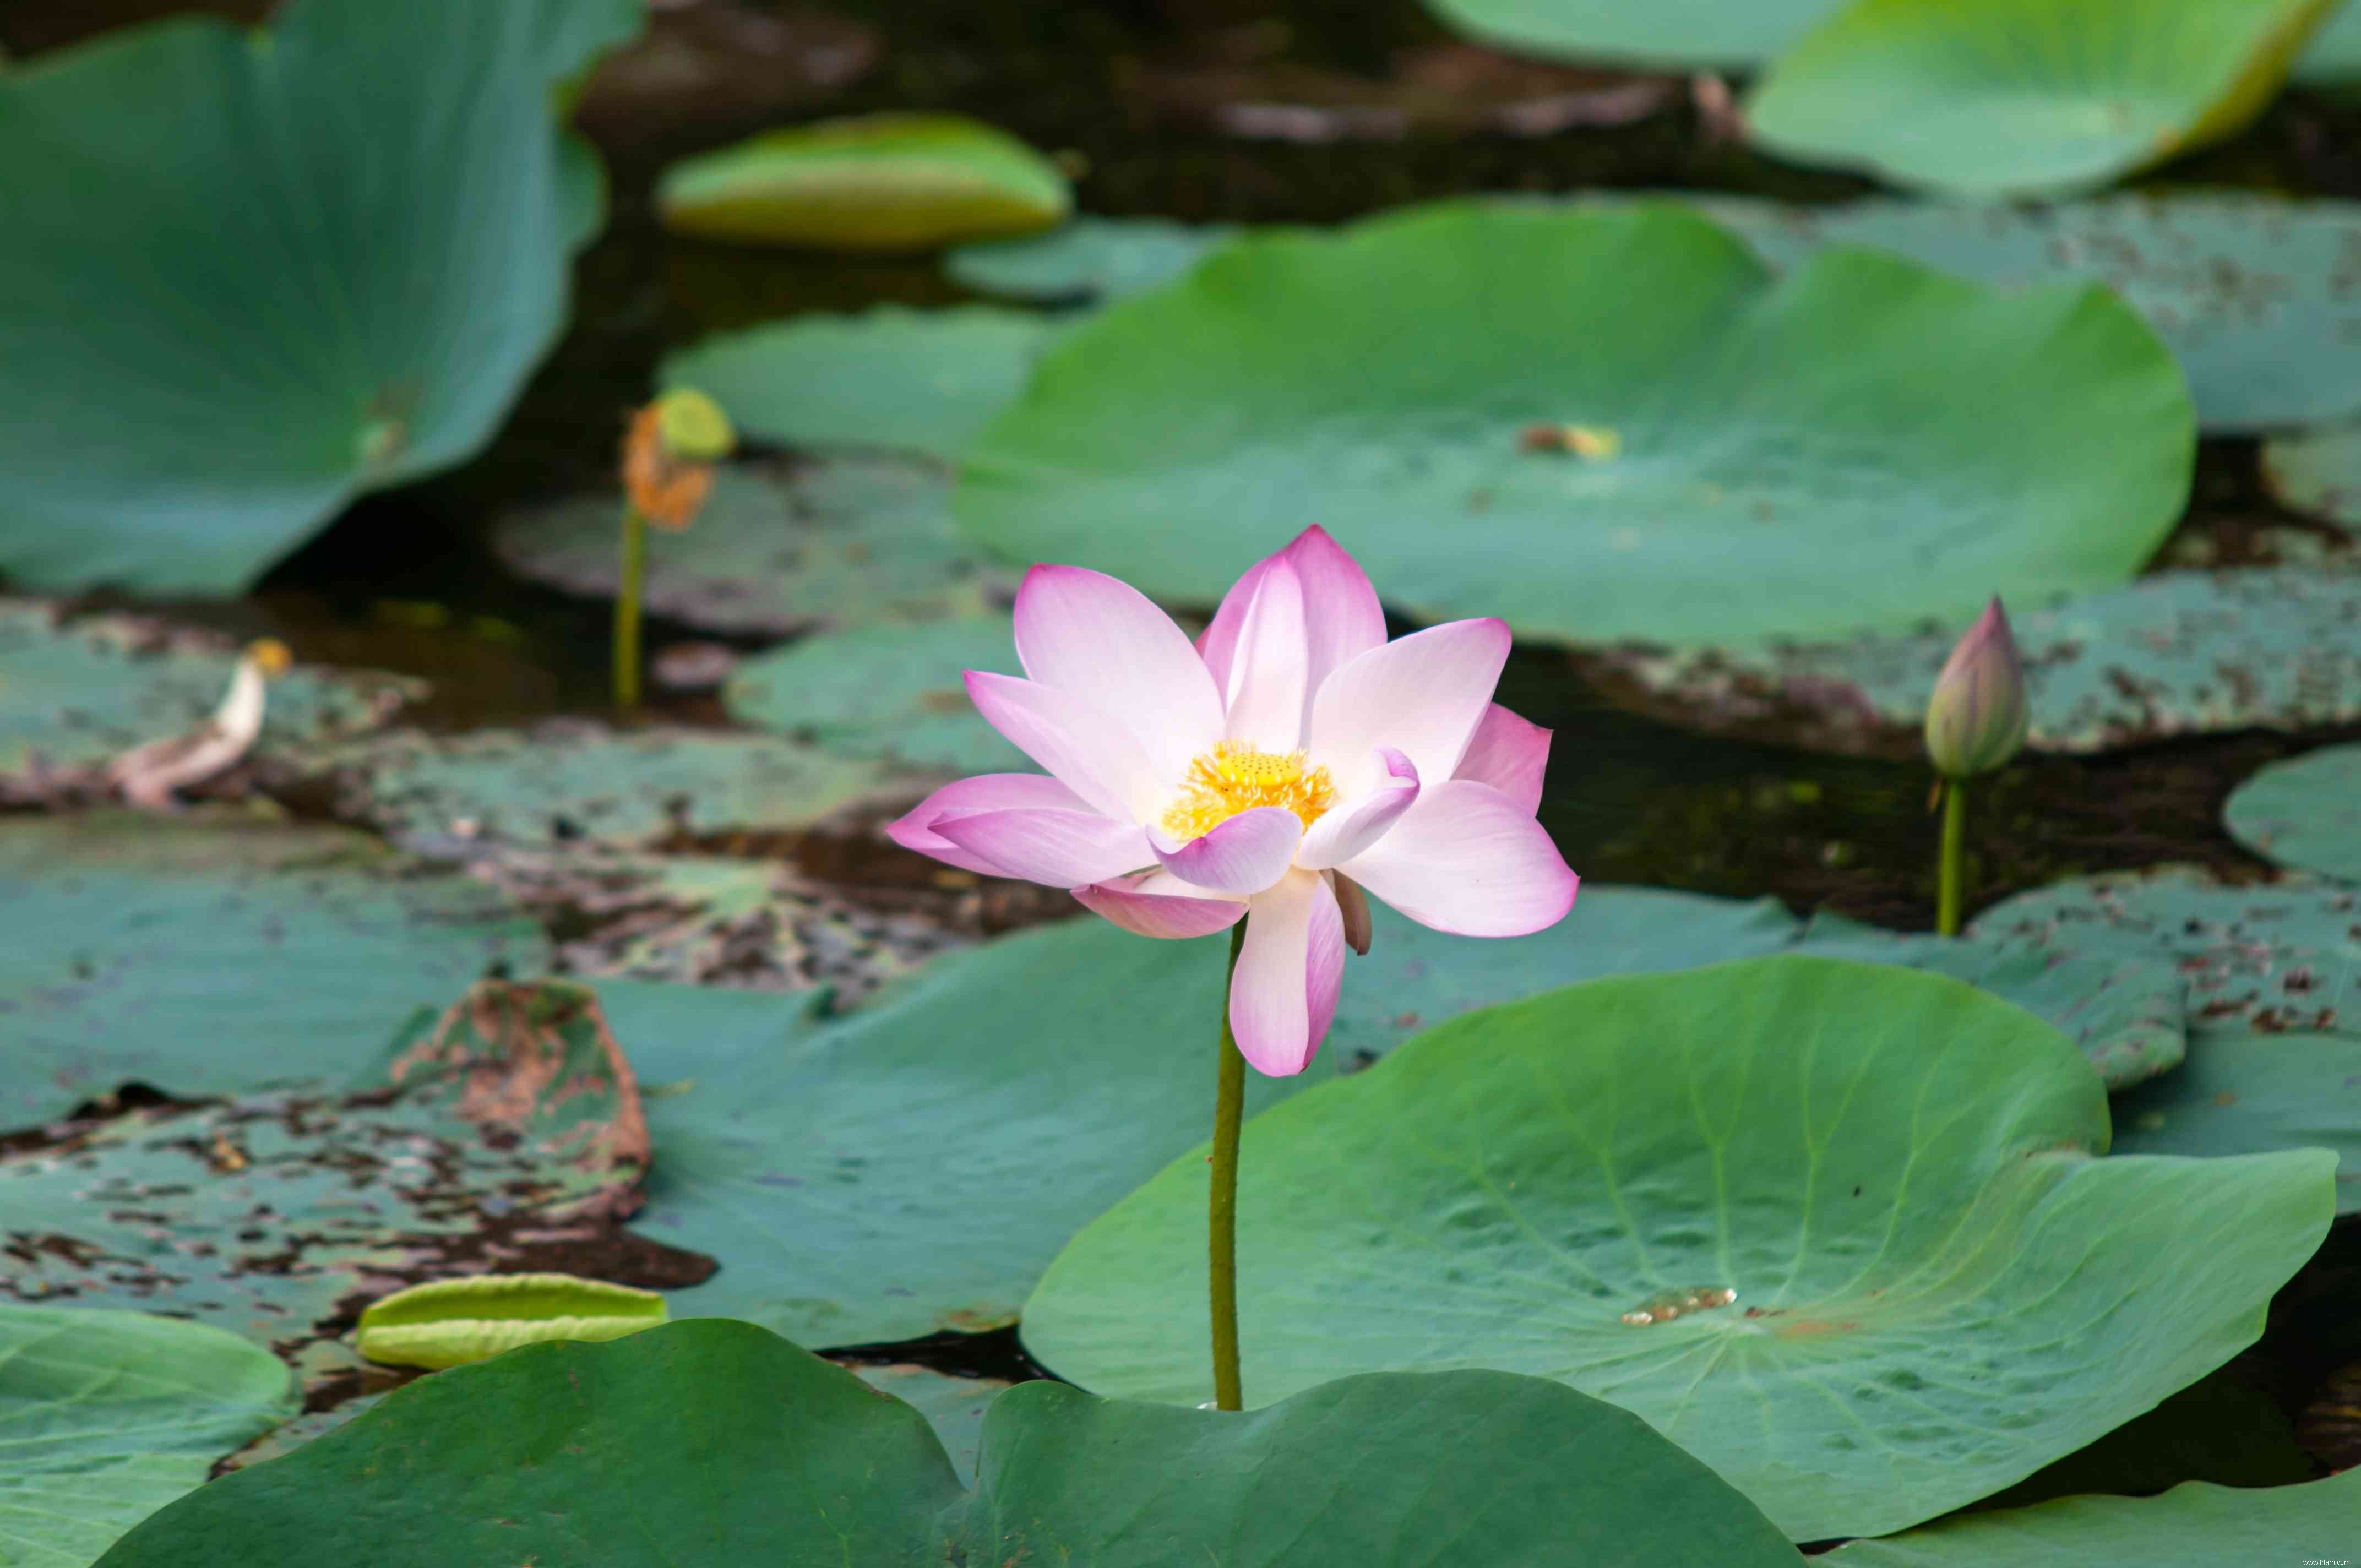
{"type": "Point", "coordinates": [874, 182]}
{"type": "Point", "coordinates": [450, 1322]}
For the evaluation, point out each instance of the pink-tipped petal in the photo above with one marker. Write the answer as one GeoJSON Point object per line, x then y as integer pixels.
{"type": "Point", "coordinates": [1423, 694]}
{"type": "Point", "coordinates": [1348, 829]}
{"type": "Point", "coordinates": [1135, 904]}
{"type": "Point", "coordinates": [1058, 849]}
{"type": "Point", "coordinates": [1359, 929]}
{"type": "Point", "coordinates": [1242, 855]}
{"type": "Point", "coordinates": [1342, 618]}
{"type": "Point", "coordinates": [1510, 754]}
{"type": "Point", "coordinates": [1218, 644]}
{"type": "Point", "coordinates": [986, 792]}
{"type": "Point", "coordinates": [1097, 758]}
{"type": "Point", "coordinates": [1099, 639]}
{"type": "Point", "coordinates": [1470, 860]}
{"type": "Point", "coordinates": [1284, 990]}
{"type": "Point", "coordinates": [1264, 697]}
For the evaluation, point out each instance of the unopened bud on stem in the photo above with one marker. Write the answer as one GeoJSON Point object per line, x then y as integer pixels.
{"type": "Point", "coordinates": [1976, 719]}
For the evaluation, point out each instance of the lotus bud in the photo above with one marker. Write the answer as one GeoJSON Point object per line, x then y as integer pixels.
{"type": "Point", "coordinates": [1976, 719]}
{"type": "Point", "coordinates": [694, 428]}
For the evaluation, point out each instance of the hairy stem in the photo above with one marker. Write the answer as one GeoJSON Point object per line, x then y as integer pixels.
{"type": "Point", "coordinates": [1953, 872]}
{"type": "Point", "coordinates": [627, 610]}
{"type": "Point", "coordinates": [1221, 1247]}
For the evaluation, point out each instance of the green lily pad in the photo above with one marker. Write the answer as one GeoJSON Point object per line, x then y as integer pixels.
{"type": "Point", "coordinates": [709, 920]}
{"type": "Point", "coordinates": [832, 542]}
{"type": "Point", "coordinates": [74, 694]}
{"type": "Point", "coordinates": [2195, 1526]}
{"type": "Point", "coordinates": [2019, 97]}
{"type": "Point", "coordinates": [1938, 1288]}
{"type": "Point", "coordinates": [2318, 471]}
{"type": "Point", "coordinates": [911, 381]}
{"type": "Point", "coordinates": [2244, 1090]}
{"type": "Point", "coordinates": [2273, 981]}
{"type": "Point", "coordinates": [207, 955]}
{"type": "Point", "coordinates": [912, 1166]}
{"type": "Point", "coordinates": [2332, 58]}
{"type": "Point", "coordinates": [748, 1453]}
{"type": "Point", "coordinates": [2304, 813]}
{"type": "Point", "coordinates": [2127, 1014]}
{"type": "Point", "coordinates": [339, 288]}
{"type": "Point", "coordinates": [567, 781]}
{"type": "Point", "coordinates": [2284, 957]}
{"type": "Point", "coordinates": [2251, 292]}
{"type": "Point", "coordinates": [874, 182]}
{"type": "Point", "coordinates": [106, 1417]}
{"type": "Point", "coordinates": [1389, 376]}
{"type": "Point", "coordinates": [892, 693]}
{"type": "Point", "coordinates": [954, 1407]}
{"type": "Point", "coordinates": [2176, 653]}
{"type": "Point", "coordinates": [1665, 35]}
{"type": "Point", "coordinates": [512, 1121]}
{"type": "Point", "coordinates": [295, 1434]}
{"type": "Point", "coordinates": [1088, 259]}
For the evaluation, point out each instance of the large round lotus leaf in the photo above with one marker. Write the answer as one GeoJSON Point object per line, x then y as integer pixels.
{"type": "Point", "coordinates": [2305, 812]}
{"type": "Point", "coordinates": [73, 695]}
{"type": "Point", "coordinates": [2252, 293]}
{"type": "Point", "coordinates": [1087, 260]}
{"type": "Point", "coordinates": [2333, 55]}
{"type": "Point", "coordinates": [510, 1120]}
{"type": "Point", "coordinates": [565, 782]}
{"type": "Point", "coordinates": [912, 1167]}
{"type": "Point", "coordinates": [2246, 1090]}
{"type": "Point", "coordinates": [702, 920]}
{"type": "Point", "coordinates": [889, 691]}
{"type": "Point", "coordinates": [2178, 653]}
{"type": "Point", "coordinates": [2125, 1014]}
{"type": "Point", "coordinates": [915, 380]}
{"type": "Point", "coordinates": [954, 1407]}
{"type": "Point", "coordinates": [2195, 1526]}
{"type": "Point", "coordinates": [106, 1417]}
{"type": "Point", "coordinates": [842, 541]}
{"type": "Point", "coordinates": [1817, 453]}
{"type": "Point", "coordinates": [743, 1451]}
{"type": "Point", "coordinates": [206, 956]}
{"type": "Point", "coordinates": [2275, 957]}
{"type": "Point", "coordinates": [1938, 1288]}
{"type": "Point", "coordinates": [876, 182]}
{"type": "Point", "coordinates": [1674, 35]}
{"type": "Point", "coordinates": [2318, 471]}
{"type": "Point", "coordinates": [1991, 98]}
{"type": "Point", "coordinates": [325, 260]}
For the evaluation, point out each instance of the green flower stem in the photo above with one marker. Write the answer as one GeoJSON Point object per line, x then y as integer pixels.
{"type": "Point", "coordinates": [1953, 872]}
{"type": "Point", "coordinates": [1221, 1247]}
{"type": "Point", "coordinates": [627, 610]}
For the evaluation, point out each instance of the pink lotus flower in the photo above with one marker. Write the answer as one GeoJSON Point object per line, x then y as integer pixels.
{"type": "Point", "coordinates": [1287, 760]}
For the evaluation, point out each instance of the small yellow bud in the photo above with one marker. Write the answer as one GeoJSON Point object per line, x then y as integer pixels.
{"type": "Point", "coordinates": [692, 427]}
{"type": "Point", "coordinates": [271, 656]}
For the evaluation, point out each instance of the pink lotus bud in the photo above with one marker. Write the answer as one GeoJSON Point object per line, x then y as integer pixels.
{"type": "Point", "coordinates": [1975, 720]}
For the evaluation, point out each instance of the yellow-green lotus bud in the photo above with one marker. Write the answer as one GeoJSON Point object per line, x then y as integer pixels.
{"type": "Point", "coordinates": [693, 427]}
{"type": "Point", "coordinates": [1976, 719]}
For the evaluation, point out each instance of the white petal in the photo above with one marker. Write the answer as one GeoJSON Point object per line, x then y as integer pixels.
{"type": "Point", "coordinates": [986, 792]}
{"type": "Point", "coordinates": [1510, 754]}
{"type": "Point", "coordinates": [1349, 828]}
{"type": "Point", "coordinates": [1266, 695]}
{"type": "Point", "coordinates": [1099, 638]}
{"type": "Point", "coordinates": [1242, 855]}
{"type": "Point", "coordinates": [1057, 848]}
{"type": "Point", "coordinates": [1468, 859]}
{"type": "Point", "coordinates": [1089, 752]}
{"type": "Point", "coordinates": [1159, 905]}
{"type": "Point", "coordinates": [1423, 694]}
{"type": "Point", "coordinates": [1283, 993]}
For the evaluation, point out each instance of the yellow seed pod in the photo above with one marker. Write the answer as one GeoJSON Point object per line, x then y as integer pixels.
{"type": "Point", "coordinates": [692, 427]}
{"type": "Point", "coordinates": [270, 655]}
{"type": "Point", "coordinates": [453, 1321]}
